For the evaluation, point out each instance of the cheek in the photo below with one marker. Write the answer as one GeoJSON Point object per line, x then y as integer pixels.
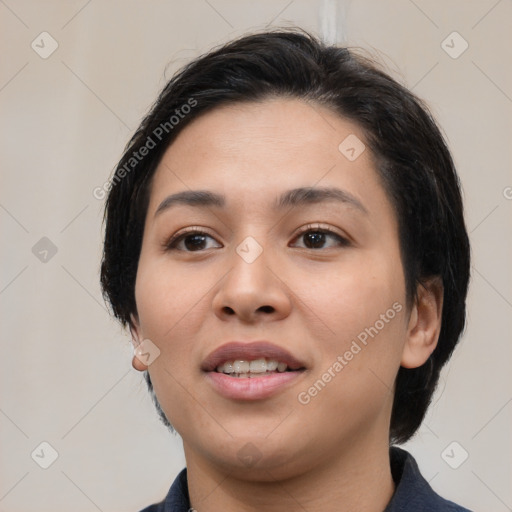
{"type": "Point", "coordinates": [354, 382]}
{"type": "Point", "coordinates": [363, 303]}
{"type": "Point", "coordinates": [169, 307]}
{"type": "Point", "coordinates": [165, 299]}
{"type": "Point", "coordinates": [355, 295]}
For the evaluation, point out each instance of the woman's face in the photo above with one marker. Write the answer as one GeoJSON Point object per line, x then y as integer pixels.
{"type": "Point", "coordinates": [264, 270]}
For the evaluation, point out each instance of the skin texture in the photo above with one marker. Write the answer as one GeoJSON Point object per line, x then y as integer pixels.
{"type": "Point", "coordinates": [312, 300]}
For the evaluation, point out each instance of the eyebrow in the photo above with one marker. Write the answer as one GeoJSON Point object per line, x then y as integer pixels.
{"type": "Point", "coordinates": [291, 198]}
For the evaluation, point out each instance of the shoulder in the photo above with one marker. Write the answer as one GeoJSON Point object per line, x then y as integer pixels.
{"type": "Point", "coordinates": [412, 491]}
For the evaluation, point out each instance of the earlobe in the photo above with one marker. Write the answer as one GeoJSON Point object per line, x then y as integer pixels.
{"type": "Point", "coordinates": [137, 364]}
{"type": "Point", "coordinates": [424, 323]}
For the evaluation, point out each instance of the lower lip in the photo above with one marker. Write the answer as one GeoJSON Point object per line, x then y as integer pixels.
{"type": "Point", "coordinates": [255, 388]}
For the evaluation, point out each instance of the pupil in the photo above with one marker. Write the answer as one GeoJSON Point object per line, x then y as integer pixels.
{"type": "Point", "coordinates": [194, 245]}
{"type": "Point", "coordinates": [318, 238]}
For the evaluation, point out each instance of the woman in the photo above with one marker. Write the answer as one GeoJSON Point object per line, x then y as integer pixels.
{"type": "Point", "coordinates": [285, 240]}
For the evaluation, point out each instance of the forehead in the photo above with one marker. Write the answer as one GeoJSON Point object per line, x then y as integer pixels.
{"type": "Point", "coordinates": [277, 124]}
{"type": "Point", "coordinates": [252, 151]}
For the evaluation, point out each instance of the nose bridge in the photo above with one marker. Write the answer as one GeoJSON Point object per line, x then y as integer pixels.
{"type": "Point", "coordinates": [250, 262]}
{"type": "Point", "coordinates": [251, 286]}
{"type": "Point", "coordinates": [252, 241]}
{"type": "Point", "coordinates": [250, 250]}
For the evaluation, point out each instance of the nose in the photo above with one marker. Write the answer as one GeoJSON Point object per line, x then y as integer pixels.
{"type": "Point", "coordinates": [252, 291]}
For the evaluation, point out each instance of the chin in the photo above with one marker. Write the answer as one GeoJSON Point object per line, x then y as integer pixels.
{"type": "Point", "coordinates": [251, 464]}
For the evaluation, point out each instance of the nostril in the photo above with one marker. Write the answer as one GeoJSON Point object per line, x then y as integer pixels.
{"type": "Point", "coordinates": [267, 309]}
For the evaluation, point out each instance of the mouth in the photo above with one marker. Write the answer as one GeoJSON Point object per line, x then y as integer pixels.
{"type": "Point", "coordinates": [251, 359]}
{"type": "Point", "coordinates": [251, 371]}
{"type": "Point", "coordinates": [242, 369]}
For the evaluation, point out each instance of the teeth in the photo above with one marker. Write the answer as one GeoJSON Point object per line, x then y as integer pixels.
{"type": "Point", "coordinates": [244, 369]}
{"type": "Point", "coordinates": [241, 366]}
{"type": "Point", "coordinates": [272, 365]}
{"type": "Point", "coordinates": [258, 366]}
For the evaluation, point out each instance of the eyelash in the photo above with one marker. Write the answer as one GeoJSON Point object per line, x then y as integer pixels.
{"type": "Point", "coordinates": [310, 228]}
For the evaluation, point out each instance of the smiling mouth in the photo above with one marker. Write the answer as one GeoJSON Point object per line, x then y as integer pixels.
{"type": "Point", "coordinates": [249, 371]}
{"type": "Point", "coordinates": [245, 369]}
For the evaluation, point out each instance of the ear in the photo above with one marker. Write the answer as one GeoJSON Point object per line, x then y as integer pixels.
{"type": "Point", "coordinates": [424, 323]}
{"type": "Point", "coordinates": [135, 331]}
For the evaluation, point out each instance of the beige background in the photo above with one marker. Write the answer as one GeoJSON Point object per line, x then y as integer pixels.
{"type": "Point", "coordinates": [66, 375]}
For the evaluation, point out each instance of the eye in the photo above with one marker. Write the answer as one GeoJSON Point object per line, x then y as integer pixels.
{"type": "Point", "coordinates": [316, 236]}
{"type": "Point", "coordinates": [194, 240]}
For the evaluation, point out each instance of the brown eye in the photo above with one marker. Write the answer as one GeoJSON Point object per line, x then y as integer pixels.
{"type": "Point", "coordinates": [316, 238]}
{"type": "Point", "coordinates": [193, 240]}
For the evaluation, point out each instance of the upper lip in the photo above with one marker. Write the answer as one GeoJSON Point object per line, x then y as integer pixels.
{"type": "Point", "coordinates": [237, 350]}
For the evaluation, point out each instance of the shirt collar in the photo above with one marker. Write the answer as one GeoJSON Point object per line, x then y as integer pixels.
{"type": "Point", "coordinates": [412, 491]}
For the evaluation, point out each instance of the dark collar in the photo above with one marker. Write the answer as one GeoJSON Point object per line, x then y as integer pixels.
{"type": "Point", "coordinates": [412, 493]}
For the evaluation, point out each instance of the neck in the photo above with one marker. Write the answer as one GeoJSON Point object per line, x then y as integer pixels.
{"type": "Point", "coordinates": [358, 479]}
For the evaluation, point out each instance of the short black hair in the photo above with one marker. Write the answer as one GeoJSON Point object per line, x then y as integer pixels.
{"type": "Point", "coordinates": [409, 151]}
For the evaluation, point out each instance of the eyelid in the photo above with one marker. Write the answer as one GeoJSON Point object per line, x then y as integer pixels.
{"type": "Point", "coordinates": [319, 226]}
{"type": "Point", "coordinates": [186, 232]}
{"type": "Point", "coordinates": [345, 239]}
